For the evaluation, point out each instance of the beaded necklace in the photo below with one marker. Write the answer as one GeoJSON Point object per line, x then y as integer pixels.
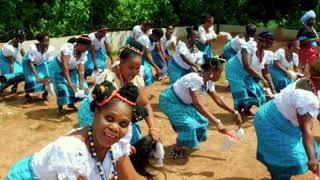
{"type": "Point", "coordinates": [98, 162]}
{"type": "Point", "coordinates": [313, 87]}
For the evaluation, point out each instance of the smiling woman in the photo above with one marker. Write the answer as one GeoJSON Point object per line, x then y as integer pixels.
{"type": "Point", "coordinates": [92, 152]}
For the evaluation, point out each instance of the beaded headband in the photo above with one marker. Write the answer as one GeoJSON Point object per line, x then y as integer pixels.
{"type": "Point", "coordinates": [117, 95]}
{"type": "Point", "coordinates": [85, 37]}
{"type": "Point", "coordinates": [132, 49]}
{"type": "Point", "coordinates": [265, 39]}
{"type": "Point", "coordinates": [102, 29]}
{"type": "Point", "coordinates": [293, 42]}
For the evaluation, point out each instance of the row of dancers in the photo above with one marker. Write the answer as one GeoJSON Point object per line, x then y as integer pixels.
{"type": "Point", "coordinates": [109, 115]}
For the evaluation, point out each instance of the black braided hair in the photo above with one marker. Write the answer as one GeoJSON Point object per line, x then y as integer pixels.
{"type": "Point", "coordinates": [84, 39]}
{"type": "Point", "coordinates": [139, 160]}
{"type": "Point", "coordinates": [190, 30]}
{"type": "Point", "coordinates": [130, 91]}
{"type": "Point", "coordinates": [210, 63]}
{"type": "Point", "coordinates": [127, 53]}
{"type": "Point", "coordinates": [72, 40]}
{"type": "Point", "coordinates": [41, 36]}
{"type": "Point", "coordinates": [158, 32]}
{"type": "Point", "coordinates": [251, 29]}
{"type": "Point", "coordinates": [20, 33]}
{"type": "Point", "coordinates": [80, 40]}
{"type": "Point", "coordinates": [100, 93]}
{"type": "Point", "coordinates": [204, 17]}
{"type": "Point", "coordinates": [266, 35]}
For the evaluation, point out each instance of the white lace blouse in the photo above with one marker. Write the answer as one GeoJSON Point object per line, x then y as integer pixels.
{"type": "Point", "coordinates": [291, 101]}
{"type": "Point", "coordinates": [237, 43]}
{"type": "Point", "coordinates": [145, 41]}
{"type": "Point", "coordinates": [256, 65]}
{"type": "Point", "coordinates": [167, 43]}
{"type": "Point", "coordinates": [68, 158]}
{"type": "Point", "coordinates": [68, 50]}
{"type": "Point", "coordinates": [8, 50]}
{"type": "Point", "coordinates": [98, 43]}
{"type": "Point", "coordinates": [37, 57]}
{"type": "Point", "coordinates": [194, 82]}
{"type": "Point", "coordinates": [196, 57]}
{"type": "Point", "coordinates": [280, 56]}
{"type": "Point", "coordinates": [205, 36]}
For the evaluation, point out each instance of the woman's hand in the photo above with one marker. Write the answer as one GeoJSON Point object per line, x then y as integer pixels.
{"type": "Point", "coordinates": [288, 74]}
{"type": "Point", "coordinates": [196, 69]}
{"type": "Point", "coordinates": [238, 118]}
{"type": "Point", "coordinates": [132, 150]}
{"type": "Point", "coordinates": [229, 132]}
{"type": "Point", "coordinates": [313, 165]}
{"type": "Point", "coordinates": [159, 71]}
{"type": "Point", "coordinates": [73, 86]}
{"type": "Point", "coordinates": [167, 58]}
{"type": "Point", "coordinates": [154, 133]}
{"type": "Point", "coordinates": [38, 79]}
{"type": "Point", "coordinates": [265, 83]}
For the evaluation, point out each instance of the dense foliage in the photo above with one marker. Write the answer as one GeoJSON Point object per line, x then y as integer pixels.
{"type": "Point", "coordinates": [69, 17]}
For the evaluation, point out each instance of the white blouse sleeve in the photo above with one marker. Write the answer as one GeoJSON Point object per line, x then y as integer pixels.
{"type": "Point", "coordinates": [251, 47]}
{"type": "Point", "coordinates": [278, 54]}
{"type": "Point", "coordinates": [237, 43]}
{"type": "Point", "coordinates": [202, 34]}
{"type": "Point", "coordinates": [144, 41]}
{"type": "Point", "coordinates": [8, 50]}
{"type": "Point", "coordinates": [295, 59]}
{"type": "Point", "coordinates": [213, 33]}
{"type": "Point", "coordinates": [194, 82]}
{"type": "Point", "coordinates": [50, 52]}
{"type": "Point", "coordinates": [268, 56]}
{"type": "Point", "coordinates": [173, 40]}
{"type": "Point", "coordinates": [67, 49]}
{"type": "Point", "coordinates": [107, 39]}
{"type": "Point", "coordinates": [33, 52]}
{"type": "Point", "coordinates": [306, 102]}
{"type": "Point", "coordinates": [83, 58]}
{"type": "Point", "coordinates": [92, 38]}
{"type": "Point", "coordinates": [19, 47]}
{"type": "Point", "coordinates": [66, 157]}
{"type": "Point", "coordinates": [210, 86]}
{"type": "Point", "coordinates": [182, 48]}
{"type": "Point", "coordinates": [136, 31]}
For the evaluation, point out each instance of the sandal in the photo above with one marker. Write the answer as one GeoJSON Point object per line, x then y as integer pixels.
{"type": "Point", "coordinates": [14, 89]}
{"type": "Point", "coordinates": [60, 110]}
{"type": "Point", "coordinates": [177, 154]}
{"type": "Point", "coordinates": [28, 98]}
{"type": "Point", "coordinates": [72, 106]}
{"type": "Point", "coordinates": [45, 96]}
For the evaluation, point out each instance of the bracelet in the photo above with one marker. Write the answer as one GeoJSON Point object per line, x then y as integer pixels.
{"type": "Point", "coordinates": [154, 129]}
{"type": "Point", "coordinates": [218, 121]}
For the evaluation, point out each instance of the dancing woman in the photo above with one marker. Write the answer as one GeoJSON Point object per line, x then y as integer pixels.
{"type": "Point", "coordinates": [242, 72]}
{"type": "Point", "coordinates": [187, 114]}
{"type": "Point", "coordinates": [35, 66]}
{"type": "Point", "coordinates": [67, 71]}
{"type": "Point", "coordinates": [284, 125]}
{"type": "Point", "coordinates": [309, 41]}
{"type": "Point", "coordinates": [11, 71]}
{"type": "Point", "coordinates": [92, 152]}
{"type": "Point", "coordinates": [283, 60]}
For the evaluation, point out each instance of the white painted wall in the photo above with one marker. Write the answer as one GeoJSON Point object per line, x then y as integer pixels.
{"type": "Point", "coordinates": [118, 38]}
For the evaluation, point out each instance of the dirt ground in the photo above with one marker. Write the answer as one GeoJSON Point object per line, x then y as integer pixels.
{"type": "Point", "coordinates": [26, 128]}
